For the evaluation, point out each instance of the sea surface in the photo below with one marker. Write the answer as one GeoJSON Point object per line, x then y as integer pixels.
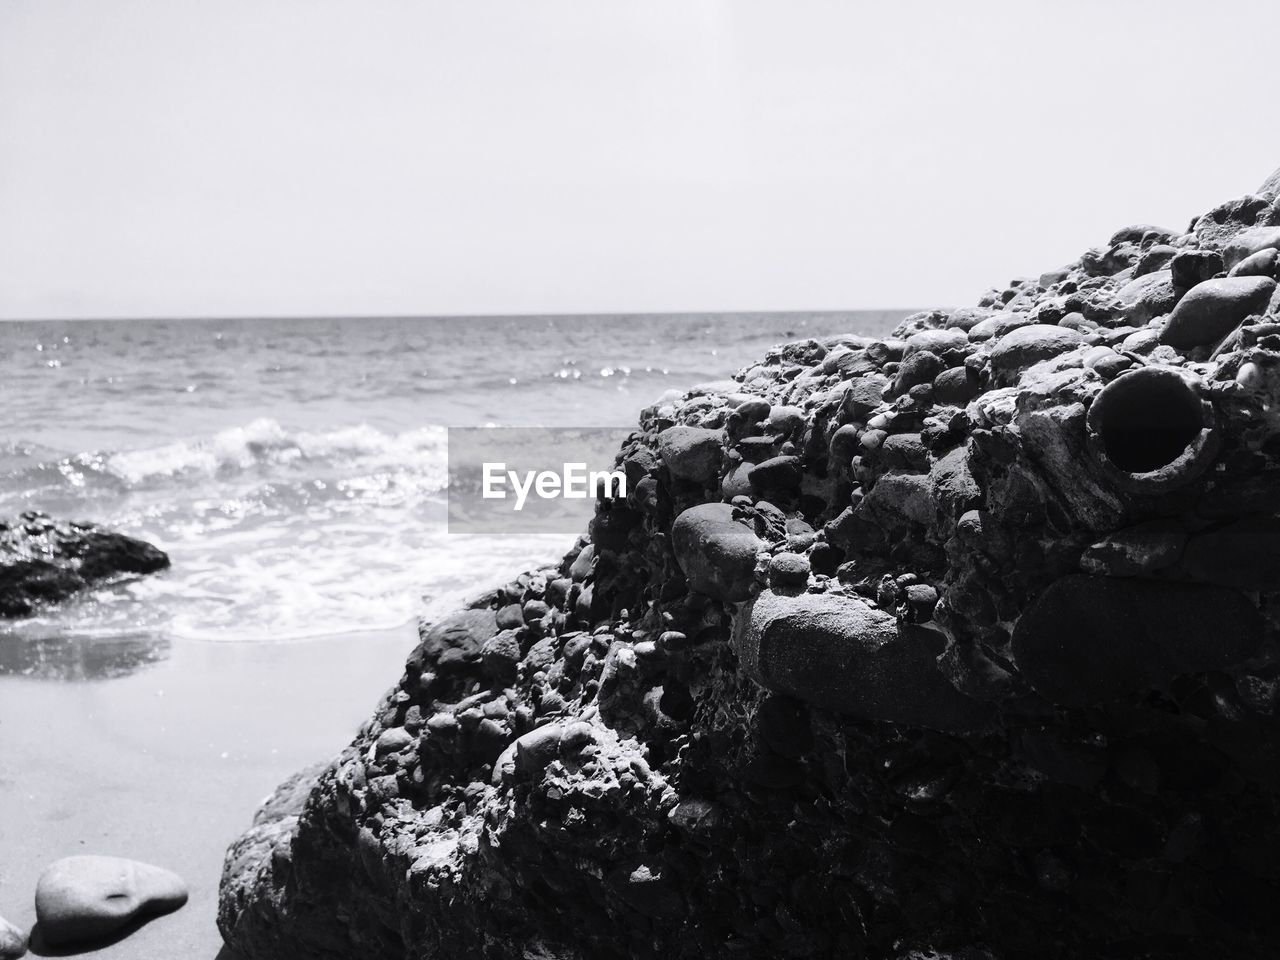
{"type": "Point", "coordinates": [294, 469]}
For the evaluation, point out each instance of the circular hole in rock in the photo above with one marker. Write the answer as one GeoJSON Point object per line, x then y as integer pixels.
{"type": "Point", "coordinates": [1146, 420]}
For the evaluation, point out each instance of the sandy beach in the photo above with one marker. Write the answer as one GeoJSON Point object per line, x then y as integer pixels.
{"type": "Point", "coordinates": [167, 765]}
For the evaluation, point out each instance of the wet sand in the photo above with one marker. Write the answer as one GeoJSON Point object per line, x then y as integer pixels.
{"type": "Point", "coordinates": [168, 763]}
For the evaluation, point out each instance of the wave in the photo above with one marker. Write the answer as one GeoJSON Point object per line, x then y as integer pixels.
{"type": "Point", "coordinates": [258, 446]}
{"type": "Point", "coordinates": [264, 442]}
{"type": "Point", "coordinates": [273, 533]}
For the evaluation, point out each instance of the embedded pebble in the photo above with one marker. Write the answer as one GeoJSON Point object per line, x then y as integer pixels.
{"type": "Point", "coordinates": [1214, 308]}
{"type": "Point", "coordinates": [789, 570]}
{"type": "Point", "coordinates": [716, 552]}
{"type": "Point", "coordinates": [956, 386]}
{"type": "Point", "coordinates": [1020, 348]}
{"type": "Point", "coordinates": [841, 654]}
{"type": "Point", "coordinates": [500, 656]}
{"type": "Point", "coordinates": [1249, 242]}
{"type": "Point", "coordinates": [691, 453]}
{"type": "Point", "coordinates": [1260, 264]}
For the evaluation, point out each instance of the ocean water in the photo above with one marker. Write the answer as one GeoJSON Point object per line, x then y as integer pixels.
{"type": "Point", "coordinates": [295, 469]}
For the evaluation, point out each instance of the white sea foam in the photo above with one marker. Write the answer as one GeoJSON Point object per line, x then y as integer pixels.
{"type": "Point", "coordinates": [264, 442]}
{"type": "Point", "coordinates": [278, 535]}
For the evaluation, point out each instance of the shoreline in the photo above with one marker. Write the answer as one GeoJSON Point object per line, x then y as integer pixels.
{"type": "Point", "coordinates": [167, 765]}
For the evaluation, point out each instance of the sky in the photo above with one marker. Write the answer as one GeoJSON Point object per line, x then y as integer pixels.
{"type": "Point", "coordinates": [312, 157]}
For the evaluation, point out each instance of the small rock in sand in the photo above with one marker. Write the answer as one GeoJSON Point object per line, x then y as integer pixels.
{"type": "Point", "coordinates": [89, 898]}
{"type": "Point", "coordinates": [13, 942]}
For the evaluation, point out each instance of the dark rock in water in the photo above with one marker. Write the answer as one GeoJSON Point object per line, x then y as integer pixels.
{"type": "Point", "coordinates": [47, 561]}
{"type": "Point", "coordinates": [13, 942]}
{"type": "Point", "coordinates": [86, 899]}
{"type": "Point", "coordinates": [1212, 309]}
{"type": "Point", "coordinates": [962, 644]}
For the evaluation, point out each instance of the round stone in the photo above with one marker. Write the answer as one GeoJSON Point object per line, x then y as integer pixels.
{"type": "Point", "coordinates": [715, 551]}
{"type": "Point", "coordinates": [1025, 346]}
{"type": "Point", "coordinates": [88, 898]}
{"type": "Point", "coordinates": [500, 657]}
{"type": "Point", "coordinates": [1212, 309]}
{"type": "Point", "coordinates": [789, 570]}
{"type": "Point", "coordinates": [839, 653]}
{"type": "Point", "coordinates": [691, 453]}
{"type": "Point", "coordinates": [955, 387]}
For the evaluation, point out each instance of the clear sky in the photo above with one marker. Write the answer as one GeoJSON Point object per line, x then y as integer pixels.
{"type": "Point", "coordinates": [228, 157]}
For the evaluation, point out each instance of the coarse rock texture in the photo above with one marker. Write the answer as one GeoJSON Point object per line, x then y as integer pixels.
{"type": "Point", "coordinates": [87, 899]}
{"type": "Point", "coordinates": [46, 561]}
{"type": "Point", "coordinates": [962, 645]}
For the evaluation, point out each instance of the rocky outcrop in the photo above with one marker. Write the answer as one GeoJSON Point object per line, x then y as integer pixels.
{"type": "Point", "coordinates": [956, 643]}
{"type": "Point", "coordinates": [46, 561]}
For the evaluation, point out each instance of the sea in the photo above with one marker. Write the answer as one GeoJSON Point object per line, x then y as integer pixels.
{"type": "Point", "coordinates": [295, 469]}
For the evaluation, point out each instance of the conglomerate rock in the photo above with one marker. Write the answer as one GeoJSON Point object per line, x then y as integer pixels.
{"type": "Point", "coordinates": [46, 561]}
{"type": "Point", "coordinates": [957, 643]}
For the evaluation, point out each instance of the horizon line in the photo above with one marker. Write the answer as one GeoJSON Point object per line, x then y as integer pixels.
{"type": "Point", "coordinates": [455, 316]}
